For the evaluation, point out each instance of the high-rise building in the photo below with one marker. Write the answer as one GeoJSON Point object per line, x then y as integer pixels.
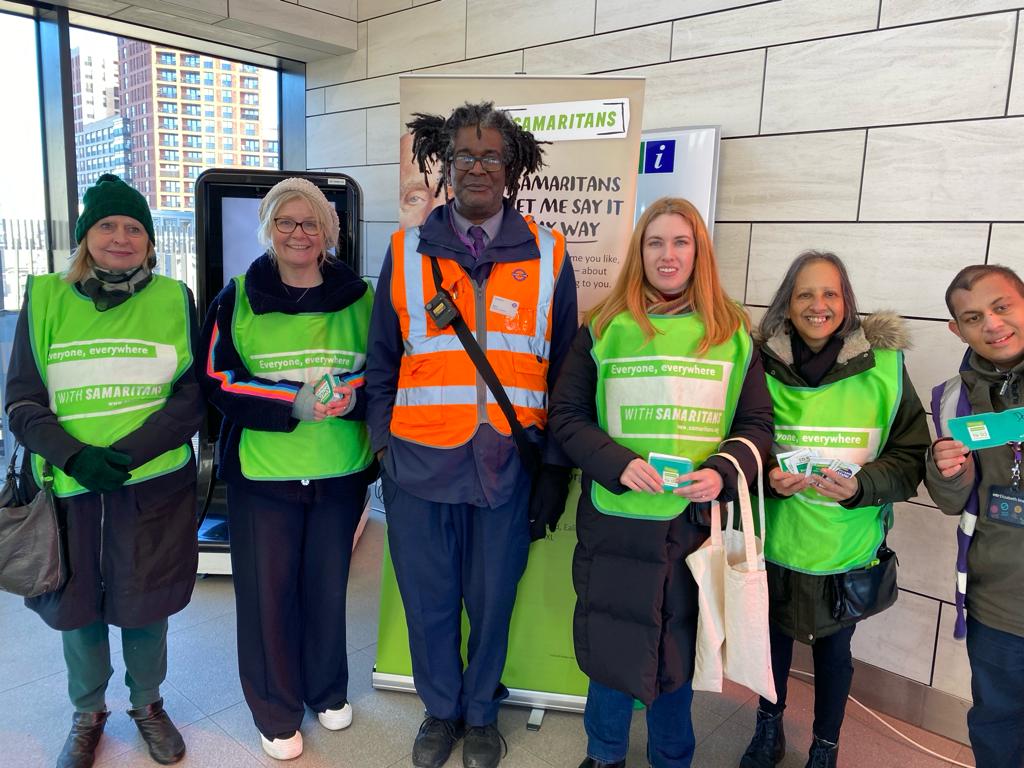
{"type": "Point", "coordinates": [187, 112]}
{"type": "Point", "coordinates": [101, 147]}
{"type": "Point", "coordinates": [94, 83]}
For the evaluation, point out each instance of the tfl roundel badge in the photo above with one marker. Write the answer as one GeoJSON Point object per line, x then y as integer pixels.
{"type": "Point", "coordinates": [519, 274]}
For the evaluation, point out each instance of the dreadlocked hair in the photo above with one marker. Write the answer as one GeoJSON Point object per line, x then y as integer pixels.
{"type": "Point", "coordinates": [434, 141]}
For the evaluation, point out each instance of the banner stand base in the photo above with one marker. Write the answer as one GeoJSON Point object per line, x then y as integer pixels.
{"type": "Point", "coordinates": [536, 719]}
{"type": "Point", "coordinates": [539, 701]}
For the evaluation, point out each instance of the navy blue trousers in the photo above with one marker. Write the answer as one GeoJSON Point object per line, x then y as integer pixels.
{"type": "Point", "coordinates": [996, 721]}
{"type": "Point", "coordinates": [290, 559]}
{"type": "Point", "coordinates": [447, 555]}
{"type": "Point", "coordinates": [833, 675]}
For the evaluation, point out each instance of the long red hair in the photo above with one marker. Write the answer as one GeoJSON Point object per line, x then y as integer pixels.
{"type": "Point", "coordinates": [633, 293]}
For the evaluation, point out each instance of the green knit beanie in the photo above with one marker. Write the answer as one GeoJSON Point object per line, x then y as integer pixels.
{"type": "Point", "coordinates": [112, 197]}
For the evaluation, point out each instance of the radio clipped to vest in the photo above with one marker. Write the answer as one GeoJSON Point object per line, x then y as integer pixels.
{"type": "Point", "coordinates": [444, 313]}
{"type": "Point", "coordinates": [441, 309]}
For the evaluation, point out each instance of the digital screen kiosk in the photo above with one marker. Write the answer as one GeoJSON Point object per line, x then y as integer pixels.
{"type": "Point", "coordinates": [227, 205]}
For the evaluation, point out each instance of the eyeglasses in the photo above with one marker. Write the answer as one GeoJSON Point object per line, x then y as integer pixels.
{"type": "Point", "coordinates": [490, 163]}
{"type": "Point", "coordinates": [287, 226]}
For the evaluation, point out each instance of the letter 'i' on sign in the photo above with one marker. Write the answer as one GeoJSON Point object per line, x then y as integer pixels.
{"type": "Point", "coordinates": [657, 156]}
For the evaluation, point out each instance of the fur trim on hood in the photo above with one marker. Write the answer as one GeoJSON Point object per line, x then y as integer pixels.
{"type": "Point", "coordinates": [882, 330]}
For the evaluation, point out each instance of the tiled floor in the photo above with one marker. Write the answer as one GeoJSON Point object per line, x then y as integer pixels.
{"type": "Point", "coordinates": [204, 698]}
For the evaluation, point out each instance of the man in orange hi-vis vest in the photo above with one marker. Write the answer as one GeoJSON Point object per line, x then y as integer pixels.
{"type": "Point", "coordinates": [462, 504]}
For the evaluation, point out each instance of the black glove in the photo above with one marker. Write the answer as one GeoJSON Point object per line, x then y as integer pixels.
{"type": "Point", "coordinates": [547, 501]}
{"type": "Point", "coordinates": [99, 469]}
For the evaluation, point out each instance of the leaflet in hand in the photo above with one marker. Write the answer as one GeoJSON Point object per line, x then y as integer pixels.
{"type": "Point", "coordinates": [324, 391]}
{"type": "Point", "coordinates": [670, 468]}
{"type": "Point", "coordinates": [808, 461]}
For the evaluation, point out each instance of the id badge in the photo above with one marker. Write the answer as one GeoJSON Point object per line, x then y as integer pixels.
{"type": "Point", "coordinates": [1006, 505]}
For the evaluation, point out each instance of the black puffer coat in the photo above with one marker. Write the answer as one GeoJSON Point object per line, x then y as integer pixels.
{"type": "Point", "coordinates": [132, 554]}
{"type": "Point", "coordinates": [635, 623]}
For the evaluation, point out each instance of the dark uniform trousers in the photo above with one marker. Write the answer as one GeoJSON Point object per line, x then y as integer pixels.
{"type": "Point", "coordinates": [290, 560]}
{"type": "Point", "coordinates": [447, 555]}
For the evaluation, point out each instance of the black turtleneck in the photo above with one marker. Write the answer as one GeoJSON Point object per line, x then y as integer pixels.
{"type": "Point", "coordinates": [813, 366]}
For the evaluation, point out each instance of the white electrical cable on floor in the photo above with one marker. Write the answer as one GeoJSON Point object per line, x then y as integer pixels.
{"type": "Point", "coordinates": [899, 733]}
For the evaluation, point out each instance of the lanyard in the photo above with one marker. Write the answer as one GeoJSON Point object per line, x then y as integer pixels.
{"type": "Point", "coordinates": [1015, 446]}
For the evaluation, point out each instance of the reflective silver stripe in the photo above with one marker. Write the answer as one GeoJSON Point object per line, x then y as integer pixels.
{"type": "Point", "coordinates": [545, 294]}
{"type": "Point", "coordinates": [453, 395]}
{"type": "Point", "coordinates": [466, 395]}
{"type": "Point", "coordinates": [412, 267]}
{"type": "Point", "coordinates": [524, 398]}
{"type": "Point", "coordinates": [449, 342]}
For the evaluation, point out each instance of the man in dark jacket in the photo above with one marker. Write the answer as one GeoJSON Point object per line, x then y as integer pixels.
{"type": "Point", "coordinates": [456, 489]}
{"type": "Point", "coordinates": [987, 305]}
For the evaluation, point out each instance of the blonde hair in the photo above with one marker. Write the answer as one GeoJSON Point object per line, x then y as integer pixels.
{"type": "Point", "coordinates": [82, 261]}
{"type": "Point", "coordinates": [295, 188]}
{"type": "Point", "coordinates": [633, 293]}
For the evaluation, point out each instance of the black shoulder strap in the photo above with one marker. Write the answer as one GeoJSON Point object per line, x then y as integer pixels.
{"type": "Point", "coordinates": [528, 451]}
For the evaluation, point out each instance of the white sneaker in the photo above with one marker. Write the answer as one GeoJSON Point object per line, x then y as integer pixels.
{"type": "Point", "coordinates": [283, 749]}
{"type": "Point", "coordinates": [336, 719]}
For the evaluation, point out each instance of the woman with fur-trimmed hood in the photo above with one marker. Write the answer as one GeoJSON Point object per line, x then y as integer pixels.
{"type": "Point", "coordinates": [839, 388]}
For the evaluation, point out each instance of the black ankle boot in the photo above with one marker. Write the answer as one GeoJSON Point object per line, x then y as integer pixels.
{"type": "Point", "coordinates": [592, 763]}
{"type": "Point", "coordinates": [165, 743]}
{"type": "Point", "coordinates": [823, 754]}
{"type": "Point", "coordinates": [80, 748]}
{"type": "Point", "coordinates": [768, 746]}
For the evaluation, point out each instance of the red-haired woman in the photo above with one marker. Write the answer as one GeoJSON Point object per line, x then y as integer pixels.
{"type": "Point", "coordinates": [664, 364]}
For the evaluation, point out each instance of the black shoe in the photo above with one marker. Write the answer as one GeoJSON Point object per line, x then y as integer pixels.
{"type": "Point", "coordinates": [80, 747]}
{"type": "Point", "coordinates": [434, 742]}
{"type": "Point", "coordinates": [484, 746]}
{"type": "Point", "coordinates": [768, 746]}
{"type": "Point", "coordinates": [165, 743]}
{"type": "Point", "coordinates": [823, 754]}
{"type": "Point", "coordinates": [592, 763]}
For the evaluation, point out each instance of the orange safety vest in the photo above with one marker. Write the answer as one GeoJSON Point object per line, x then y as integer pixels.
{"type": "Point", "coordinates": [441, 400]}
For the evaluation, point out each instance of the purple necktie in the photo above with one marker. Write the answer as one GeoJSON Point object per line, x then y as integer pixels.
{"type": "Point", "coordinates": [477, 233]}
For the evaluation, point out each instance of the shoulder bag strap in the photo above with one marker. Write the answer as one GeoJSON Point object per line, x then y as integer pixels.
{"type": "Point", "coordinates": [527, 450]}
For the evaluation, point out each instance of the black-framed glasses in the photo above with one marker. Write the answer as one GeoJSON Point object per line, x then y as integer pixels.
{"type": "Point", "coordinates": [490, 163]}
{"type": "Point", "coordinates": [287, 226]}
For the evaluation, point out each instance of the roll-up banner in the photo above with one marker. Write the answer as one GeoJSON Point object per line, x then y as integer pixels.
{"type": "Point", "coordinates": [587, 191]}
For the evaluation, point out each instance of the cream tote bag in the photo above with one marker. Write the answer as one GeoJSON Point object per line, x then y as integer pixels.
{"type": "Point", "coordinates": [732, 584]}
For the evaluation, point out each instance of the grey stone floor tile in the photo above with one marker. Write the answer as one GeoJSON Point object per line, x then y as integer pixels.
{"type": "Point", "coordinates": [212, 597]}
{"type": "Point", "coordinates": [202, 663]}
{"type": "Point", "coordinates": [383, 726]}
{"type": "Point", "coordinates": [557, 741]}
{"type": "Point", "coordinates": [29, 650]}
{"type": "Point", "coordinates": [723, 704]}
{"type": "Point", "coordinates": [206, 744]}
{"type": "Point", "coordinates": [965, 755]}
{"type": "Point", "coordinates": [869, 741]}
{"type": "Point", "coordinates": [34, 719]}
{"type": "Point", "coordinates": [36, 716]}
{"type": "Point", "coordinates": [10, 603]}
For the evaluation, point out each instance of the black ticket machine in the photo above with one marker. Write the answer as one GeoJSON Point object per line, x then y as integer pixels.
{"type": "Point", "coordinates": [227, 205]}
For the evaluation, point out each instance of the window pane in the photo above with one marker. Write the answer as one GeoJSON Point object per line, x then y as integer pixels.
{"type": "Point", "coordinates": [191, 129]}
{"type": "Point", "coordinates": [22, 205]}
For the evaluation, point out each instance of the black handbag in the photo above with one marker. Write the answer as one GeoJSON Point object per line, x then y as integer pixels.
{"type": "Point", "coordinates": [864, 592]}
{"type": "Point", "coordinates": [32, 559]}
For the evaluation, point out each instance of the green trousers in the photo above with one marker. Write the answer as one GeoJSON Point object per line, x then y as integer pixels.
{"type": "Point", "coordinates": [87, 655]}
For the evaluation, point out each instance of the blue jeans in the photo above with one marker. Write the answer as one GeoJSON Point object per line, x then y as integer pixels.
{"type": "Point", "coordinates": [670, 739]}
{"type": "Point", "coordinates": [996, 721]}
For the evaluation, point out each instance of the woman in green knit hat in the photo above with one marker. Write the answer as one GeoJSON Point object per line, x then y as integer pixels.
{"type": "Point", "coordinates": [102, 388]}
